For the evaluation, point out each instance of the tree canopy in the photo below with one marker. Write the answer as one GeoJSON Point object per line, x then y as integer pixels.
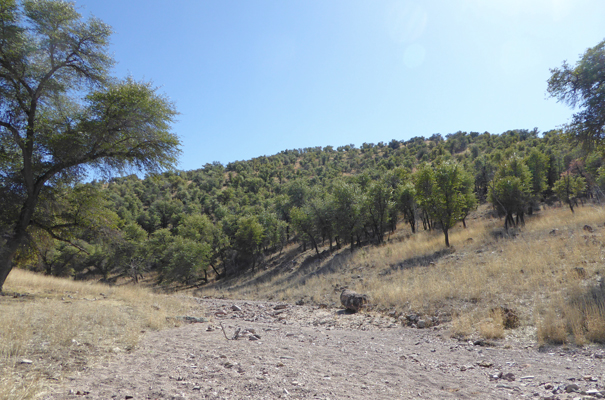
{"type": "Point", "coordinates": [583, 86]}
{"type": "Point", "coordinates": [62, 114]}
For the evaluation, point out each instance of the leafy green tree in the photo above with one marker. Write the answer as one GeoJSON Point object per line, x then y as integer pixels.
{"type": "Point", "coordinates": [248, 239]}
{"type": "Point", "coordinates": [537, 162]}
{"type": "Point", "coordinates": [62, 114]}
{"type": "Point", "coordinates": [378, 205]}
{"type": "Point", "coordinates": [445, 192]}
{"type": "Point", "coordinates": [510, 191]}
{"type": "Point", "coordinates": [347, 203]}
{"type": "Point", "coordinates": [304, 223]}
{"type": "Point", "coordinates": [405, 196]}
{"type": "Point", "coordinates": [583, 86]}
{"type": "Point", "coordinates": [569, 187]}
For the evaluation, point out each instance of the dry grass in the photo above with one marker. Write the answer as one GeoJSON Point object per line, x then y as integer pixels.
{"type": "Point", "coordinates": [531, 271]}
{"type": "Point", "coordinates": [62, 326]}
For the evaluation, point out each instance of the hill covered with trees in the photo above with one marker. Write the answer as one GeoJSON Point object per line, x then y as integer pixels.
{"type": "Point", "coordinates": [190, 226]}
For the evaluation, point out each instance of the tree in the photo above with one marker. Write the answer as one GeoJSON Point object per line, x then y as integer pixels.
{"type": "Point", "coordinates": [537, 162]}
{"type": "Point", "coordinates": [510, 191]}
{"type": "Point", "coordinates": [445, 192]}
{"type": "Point", "coordinates": [61, 115]}
{"type": "Point", "coordinates": [405, 196]}
{"type": "Point", "coordinates": [569, 187]}
{"type": "Point", "coordinates": [583, 86]}
{"type": "Point", "coordinates": [378, 206]}
{"type": "Point", "coordinates": [347, 203]}
{"type": "Point", "coordinates": [248, 238]}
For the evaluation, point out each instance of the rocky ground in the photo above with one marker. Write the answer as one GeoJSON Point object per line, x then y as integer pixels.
{"type": "Point", "coordinates": [254, 350]}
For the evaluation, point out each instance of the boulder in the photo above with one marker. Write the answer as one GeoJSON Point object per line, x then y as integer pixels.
{"type": "Point", "coordinates": [353, 301]}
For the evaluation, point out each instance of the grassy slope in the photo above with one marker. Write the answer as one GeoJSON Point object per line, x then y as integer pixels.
{"type": "Point", "coordinates": [552, 281]}
{"type": "Point", "coordinates": [62, 326]}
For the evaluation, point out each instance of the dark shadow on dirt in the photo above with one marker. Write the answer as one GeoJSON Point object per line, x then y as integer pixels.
{"type": "Point", "coordinates": [420, 261]}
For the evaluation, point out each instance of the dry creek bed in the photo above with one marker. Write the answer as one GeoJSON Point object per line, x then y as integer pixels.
{"type": "Point", "coordinates": [278, 351]}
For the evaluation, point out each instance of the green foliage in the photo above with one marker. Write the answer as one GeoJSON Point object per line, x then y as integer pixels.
{"type": "Point", "coordinates": [583, 86]}
{"type": "Point", "coordinates": [537, 163]}
{"type": "Point", "coordinates": [248, 238]}
{"type": "Point", "coordinates": [511, 190]}
{"type": "Point", "coordinates": [569, 187]}
{"type": "Point", "coordinates": [445, 194]}
{"type": "Point", "coordinates": [61, 114]}
{"type": "Point", "coordinates": [347, 205]}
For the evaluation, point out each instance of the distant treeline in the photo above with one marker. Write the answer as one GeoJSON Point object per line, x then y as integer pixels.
{"type": "Point", "coordinates": [225, 219]}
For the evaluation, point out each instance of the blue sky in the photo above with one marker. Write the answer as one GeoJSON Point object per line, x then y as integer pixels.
{"type": "Point", "coordinates": [252, 78]}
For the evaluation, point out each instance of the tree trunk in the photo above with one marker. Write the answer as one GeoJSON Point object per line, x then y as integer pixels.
{"type": "Point", "coordinates": [7, 255]}
{"type": "Point", "coordinates": [447, 237]}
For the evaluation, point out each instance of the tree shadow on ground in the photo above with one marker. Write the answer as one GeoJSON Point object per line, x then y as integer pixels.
{"type": "Point", "coordinates": [419, 261]}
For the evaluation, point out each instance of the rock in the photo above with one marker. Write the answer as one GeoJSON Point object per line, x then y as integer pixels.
{"type": "Point", "coordinates": [485, 364]}
{"type": "Point", "coordinates": [509, 376]}
{"type": "Point", "coordinates": [26, 361]}
{"type": "Point", "coordinates": [588, 228]}
{"type": "Point", "coordinates": [236, 308]}
{"type": "Point", "coordinates": [413, 318]}
{"type": "Point", "coordinates": [300, 302]}
{"type": "Point", "coordinates": [353, 301]}
{"type": "Point", "coordinates": [280, 307]}
{"type": "Point", "coordinates": [421, 324]}
{"type": "Point", "coordinates": [192, 319]}
{"type": "Point", "coordinates": [572, 388]}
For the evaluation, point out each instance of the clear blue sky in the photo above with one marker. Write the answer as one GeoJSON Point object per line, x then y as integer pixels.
{"type": "Point", "coordinates": [252, 78]}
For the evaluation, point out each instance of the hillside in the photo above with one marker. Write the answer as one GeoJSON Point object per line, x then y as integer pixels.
{"type": "Point", "coordinates": [192, 226]}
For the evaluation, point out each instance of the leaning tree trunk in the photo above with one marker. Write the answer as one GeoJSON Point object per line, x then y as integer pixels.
{"type": "Point", "coordinates": [7, 255]}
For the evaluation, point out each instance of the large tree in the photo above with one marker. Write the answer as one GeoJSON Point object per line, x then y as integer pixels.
{"type": "Point", "coordinates": [583, 86]}
{"type": "Point", "coordinates": [62, 115]}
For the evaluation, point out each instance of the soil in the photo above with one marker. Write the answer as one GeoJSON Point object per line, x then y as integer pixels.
{"type": "Point", "coordinates": [309, 352]}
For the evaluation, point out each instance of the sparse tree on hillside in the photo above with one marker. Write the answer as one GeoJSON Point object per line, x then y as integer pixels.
{"type": "Point", "coordinates": [445, 192]}
{"type": "Point", "coordinates": [569, 187]}
{"type": "Point", "coordinates": [510, 190]}
{"type": "Point", "coordinates": [405, 196]}
{"type": "Point", "coordinates": [61, 114]}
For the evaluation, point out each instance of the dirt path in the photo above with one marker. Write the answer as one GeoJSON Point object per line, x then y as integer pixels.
{"type": "Point", "coordinates": [310, 353]}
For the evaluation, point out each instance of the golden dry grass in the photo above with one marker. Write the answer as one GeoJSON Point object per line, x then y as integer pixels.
{"type": "Point", "coordinates": [532, 271]}
{"type": "Point", "coordinates": [61, 326]}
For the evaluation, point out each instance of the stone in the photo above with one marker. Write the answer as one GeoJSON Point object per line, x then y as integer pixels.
{"type": "Point", "coordinates": [509, 376]}
{"type": "Point", "coordinates": [572, 388]}
{"type": "Point", "coordinates": [588, 228]}
{"type": "Point", "coordinates": [26, 361]}
{"type": "Point", "coordinates": [421, 324]}
{"type": "Point", "coordinates": [353, 301]}
{"type": "Point", "coordinates": [280, 307]}
{"type": "Point", "coordinates": [485, 364]}
{"type": "Point", "coordinates": [554, 232]}
{"type": "Point", "coordinates": [236, 308]}
{"type": "Point", "coordinates": [188, 318]}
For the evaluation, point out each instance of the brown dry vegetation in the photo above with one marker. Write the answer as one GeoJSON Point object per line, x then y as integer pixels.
{"type": "Point", "coordinates": [551, 280]}
{"type": "Point", "coordinates": [63, 326]}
